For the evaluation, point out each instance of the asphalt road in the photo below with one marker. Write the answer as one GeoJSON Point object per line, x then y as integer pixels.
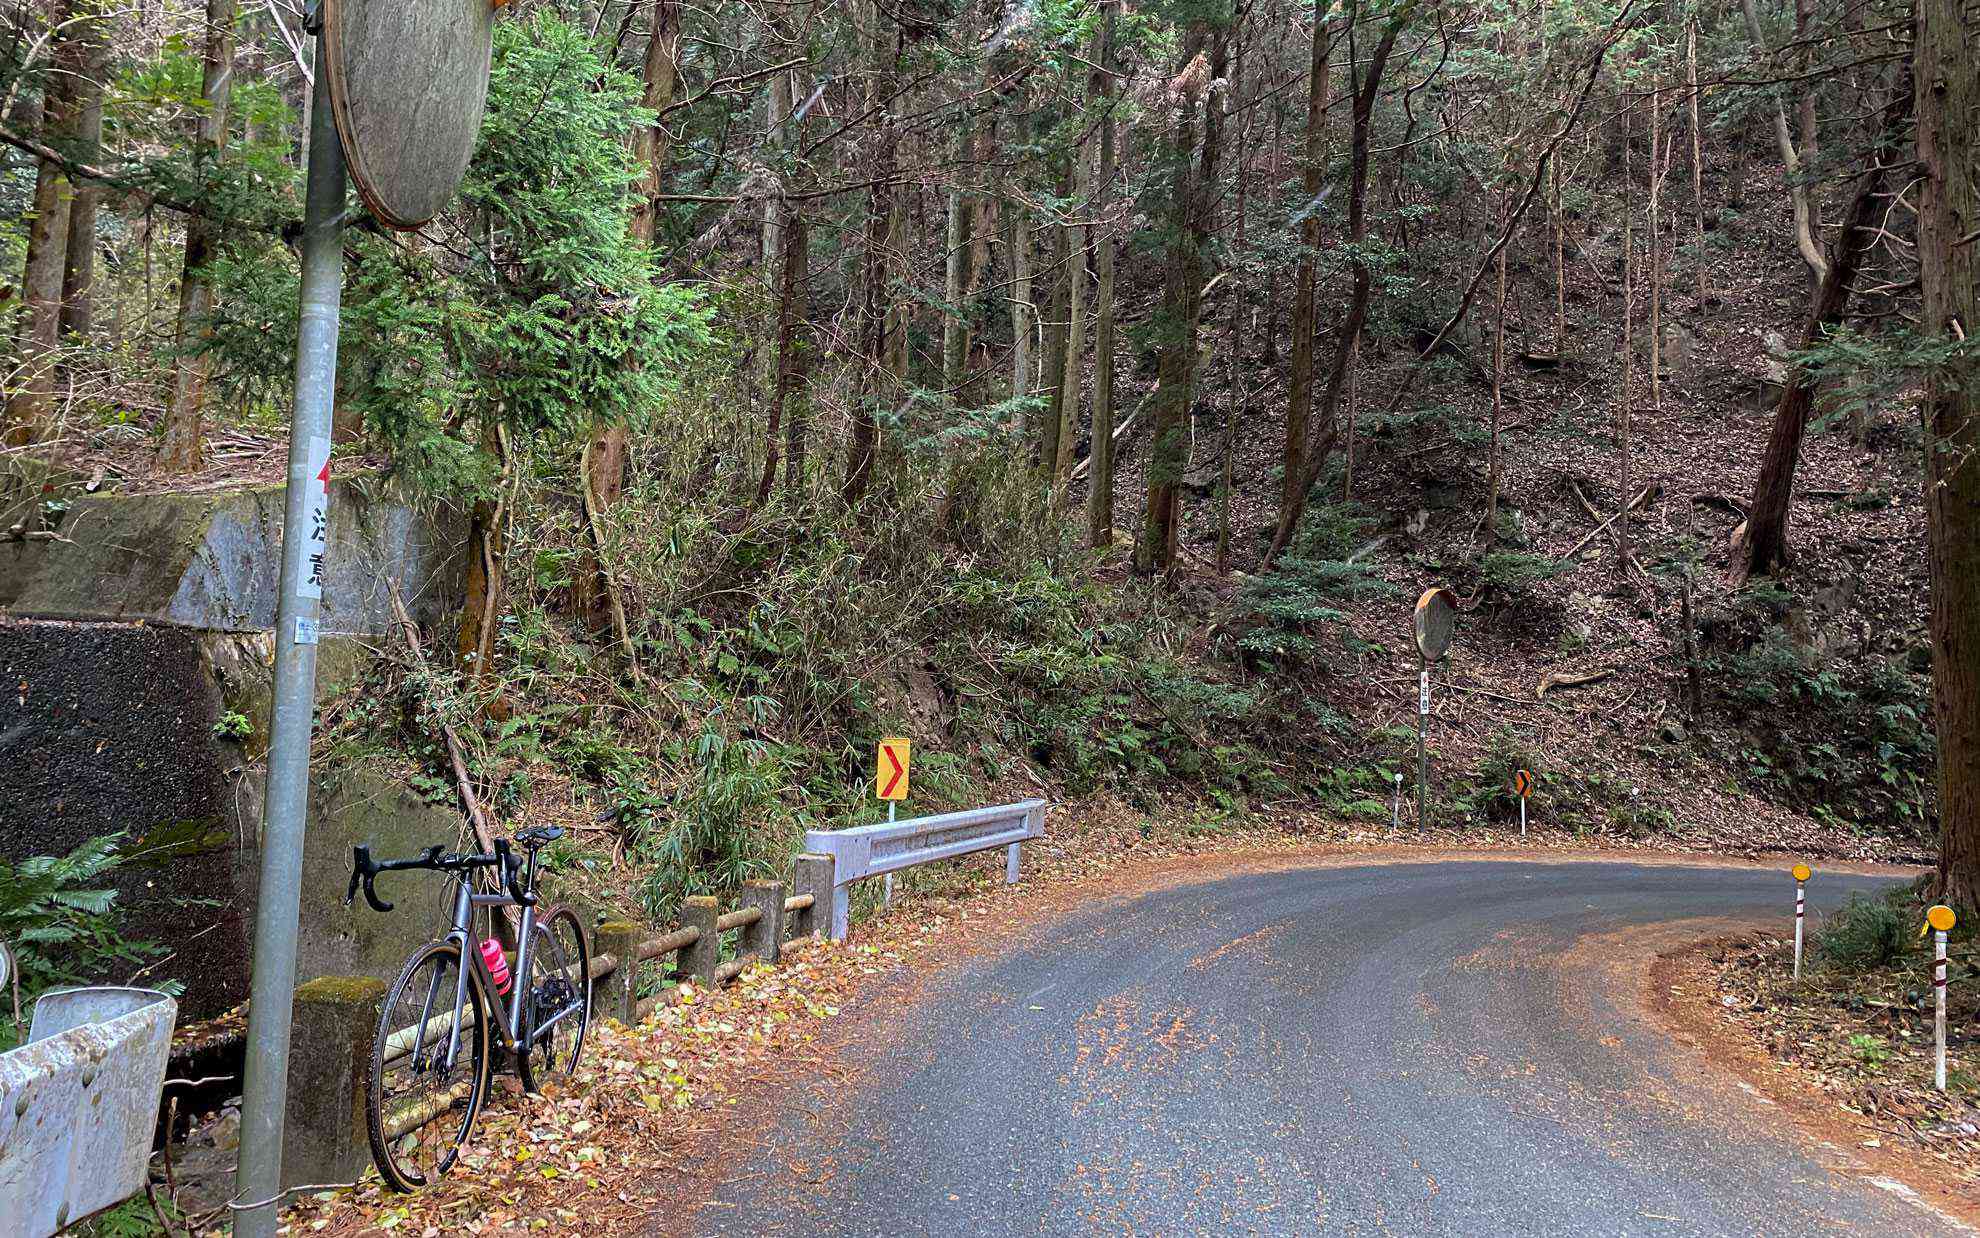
{"type": "Point", "coordinates": [1438, 1048]}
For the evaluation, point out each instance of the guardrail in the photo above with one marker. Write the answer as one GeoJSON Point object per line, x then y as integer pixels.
{"type": "Point", "coordinates": [78, 1103]}
{"type": "Point", "coordinates": [876, 850]}
{"type": "Point", "coordinates": [336, 1017]}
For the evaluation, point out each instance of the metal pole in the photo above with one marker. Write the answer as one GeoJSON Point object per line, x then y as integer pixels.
{"type": "Point", "coordinates": [1939, 1007]}
{"type": "Point", "coordinates": [887, 882]}
{"type": "Point", "coordinates": [298, 605]}
{"type": "Point", "coordinates": [1800, 911]}
{"type": "Point", "coordinates": [1395, 805]}
{"type": "Point", "coordinates": [1522, 816]}
{"type": "Point", "coordinates": [1422, 758]}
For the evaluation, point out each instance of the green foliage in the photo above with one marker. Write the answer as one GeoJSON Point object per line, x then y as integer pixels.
{"type": "Point", "coordinates": [1852, 739]}
{"type": "Point", "coordinates": [713, 835]}
{"type": "Point", "coordinates": [1871, 1051]}
{"type": "Point", "coordinates": [134, 1218]}
{"type": "Point", "coordinates": [233, 726]}
{"type": "Point", "coordinates": [59, 913]}
{"type": "Point", "coordinates": [1515, 572]}
{"type": "Point", "coordinates": [1866, 370]}
{"type": "Point", "coordinates": [1870, 931]}
{"type": "Point", "coordinates": [541, 314]}
{"type": "Point", "coordinates": [1486, 791]}
{"type": "Point", "coordinates": [1304, 593]}
{"type": "Point", "coordinates": [1360, 792]}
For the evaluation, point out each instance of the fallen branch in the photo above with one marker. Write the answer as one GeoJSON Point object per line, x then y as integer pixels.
{"type": "Point", "coordinates": [1649, 492]}
{"type": "Point", "coordinates": [1120, 431]}
{"type": "Point", "coordinates": [484, 834]}
{"type": "Point", "coordinates": [1558, 679]}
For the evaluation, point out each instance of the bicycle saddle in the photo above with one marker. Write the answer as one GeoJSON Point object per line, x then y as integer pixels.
{"type": "Point", "coordinates": [537, 835]}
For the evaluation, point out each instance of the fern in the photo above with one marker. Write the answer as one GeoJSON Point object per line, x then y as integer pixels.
{"type": "Point", "coordinates": [61, 918]}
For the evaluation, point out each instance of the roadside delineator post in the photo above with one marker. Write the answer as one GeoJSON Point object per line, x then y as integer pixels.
{"type": "Point", "coordinates": [1801, 875]}
{"type": "Point", "coordinates": [1522, 787]}
{"type": "Point", "coordinates": [1940, 919]}
{"type": "Point", "coordinates": [1395, 805]}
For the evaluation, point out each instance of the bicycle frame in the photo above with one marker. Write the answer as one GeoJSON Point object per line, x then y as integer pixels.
{"type": "Point", "coordinates": [509, 1018]}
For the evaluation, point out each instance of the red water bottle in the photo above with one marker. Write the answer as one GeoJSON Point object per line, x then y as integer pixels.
{"type": "Point", "coordinates": [498, 965]}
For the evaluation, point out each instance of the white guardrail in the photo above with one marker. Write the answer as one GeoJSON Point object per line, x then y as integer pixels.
{"type": "Point", "coordinates": [876, 850]}
{"type": "Point", "coordinates": [78, 1104]}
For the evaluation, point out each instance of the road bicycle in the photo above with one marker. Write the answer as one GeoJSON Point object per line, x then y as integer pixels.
{"type": "Point", "coordinates": [431, 1063]}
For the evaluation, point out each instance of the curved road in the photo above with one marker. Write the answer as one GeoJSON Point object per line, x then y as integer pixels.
{"type": "Point", "coordinates": [1425, 1048]}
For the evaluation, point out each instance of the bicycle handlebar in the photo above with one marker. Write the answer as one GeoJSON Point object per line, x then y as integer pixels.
{"type": "Point", "coordinates": [365, 870]}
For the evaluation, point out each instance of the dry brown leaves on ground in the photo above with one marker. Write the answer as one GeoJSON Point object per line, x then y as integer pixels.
{"type": "Point", "coordinates": [599, 1150]}
{"type": "Point", "coordinates": [1860, 1043]}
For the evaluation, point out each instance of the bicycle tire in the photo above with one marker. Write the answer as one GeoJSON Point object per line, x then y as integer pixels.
{"type": "Point", "coordinates": [406, 1003]}
{"type": "Point", "coordinates": [556, 979]}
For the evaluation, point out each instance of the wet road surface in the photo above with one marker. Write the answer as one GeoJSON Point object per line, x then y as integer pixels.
{"type": "Point", "coordinates": [1435, 1048]}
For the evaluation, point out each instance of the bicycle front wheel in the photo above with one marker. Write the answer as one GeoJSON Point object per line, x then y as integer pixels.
{"type": "Point", "coordinates": [429, 1069]}
{"type": "Point", "coordinates": [559, 999]}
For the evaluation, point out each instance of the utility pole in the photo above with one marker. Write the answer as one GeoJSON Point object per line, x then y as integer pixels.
{"type": "Point", "coordinates": [305, 539]}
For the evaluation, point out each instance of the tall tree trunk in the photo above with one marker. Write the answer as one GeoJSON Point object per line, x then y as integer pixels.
{"type": "Point", "coordinates": [956, 271]}
{"type": "Point", "coordinates": [1498, 386]}
{"type": "Point", "coordinates": [1058, 314]}
{"type": "Point", "coordinates": [602, 467]}
{"type": "Point", "coordinates": [1759, 545]}
{"type": "Point", "coordinates": [1305, 312]}
{"type": "Point", "coordinates": [1024, 310]}
{"type": "Point", "coordinates": [31, 409]}
{"type": "Point", "coordinates": [185, 428]}
{"type": "Point", "coordinates": [1072, 368]}
{"type": "Point", "coordinates": [1807, 219]}
{"type": "Point", "coordinates": [1191, 212]}
{"type": "Point", "coordinates": [793, 368]}
{"type": "Point", "coordinates": [777, 139]}
{"type": "Point", "coordinates": [651, 147]}
{"type": "Point", "coordinates": [878, 385]}
{"type": "Point", "coordinates": [1325, 433]}
{"type": "Point", "coordinates": [79, 255]}
{"type": "Point", "coordinates": [1100, 476]}
{"type": "Point", "coordinates": [487, 545]}
{"type": "Point", "coordinates": [1560, 260]}
{"type": "Point", "coordinates": [1947, 65]}
{"type": "Point", "coordinates": [1658, 166]}
{"type": "Point", "coordinates": [1697, 157]}
{"type": "Point", "coordinates": [1626, 395]}
{"type": "Point", "coordinates": [784, 363]}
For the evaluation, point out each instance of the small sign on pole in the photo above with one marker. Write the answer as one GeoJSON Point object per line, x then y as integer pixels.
{"type": "Point", "coordinates": [1940, 919]}
{"type": "Point", "coordinates": [890, 783]}
{"type": "Point", "coordinates": [1522, 784]}
{"type": "Point", "coordinates": [890, 770]}
{"type": "Point", "coordinates": [1801, 874]}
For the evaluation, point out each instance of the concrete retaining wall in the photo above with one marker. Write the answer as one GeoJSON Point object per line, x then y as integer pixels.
{"type": "Point", "coordinates": [121, 647]}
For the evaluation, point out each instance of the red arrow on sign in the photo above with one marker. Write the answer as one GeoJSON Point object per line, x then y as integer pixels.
{"type": "Point", "coordinates": [887, 792]}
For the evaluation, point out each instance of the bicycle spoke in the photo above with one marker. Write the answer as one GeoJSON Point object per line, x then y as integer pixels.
{"type": "Point", "coordinates": [423, 1095]}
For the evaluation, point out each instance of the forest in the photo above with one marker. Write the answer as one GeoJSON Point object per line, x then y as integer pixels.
{"type": "Point", "coordinates": [1086, 388]}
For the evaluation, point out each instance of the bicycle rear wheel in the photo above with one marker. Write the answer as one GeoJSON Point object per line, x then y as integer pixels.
{"type": "Point", "coordinates": [422, 1096]}
{"type": "Point", "coordinates": [559, 999]}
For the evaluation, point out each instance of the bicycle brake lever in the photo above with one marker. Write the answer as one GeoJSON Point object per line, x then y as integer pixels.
{"type": "Point", "coordinates": [363, 869]}
{"type": "Point", "coordinates": [360, 861]}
